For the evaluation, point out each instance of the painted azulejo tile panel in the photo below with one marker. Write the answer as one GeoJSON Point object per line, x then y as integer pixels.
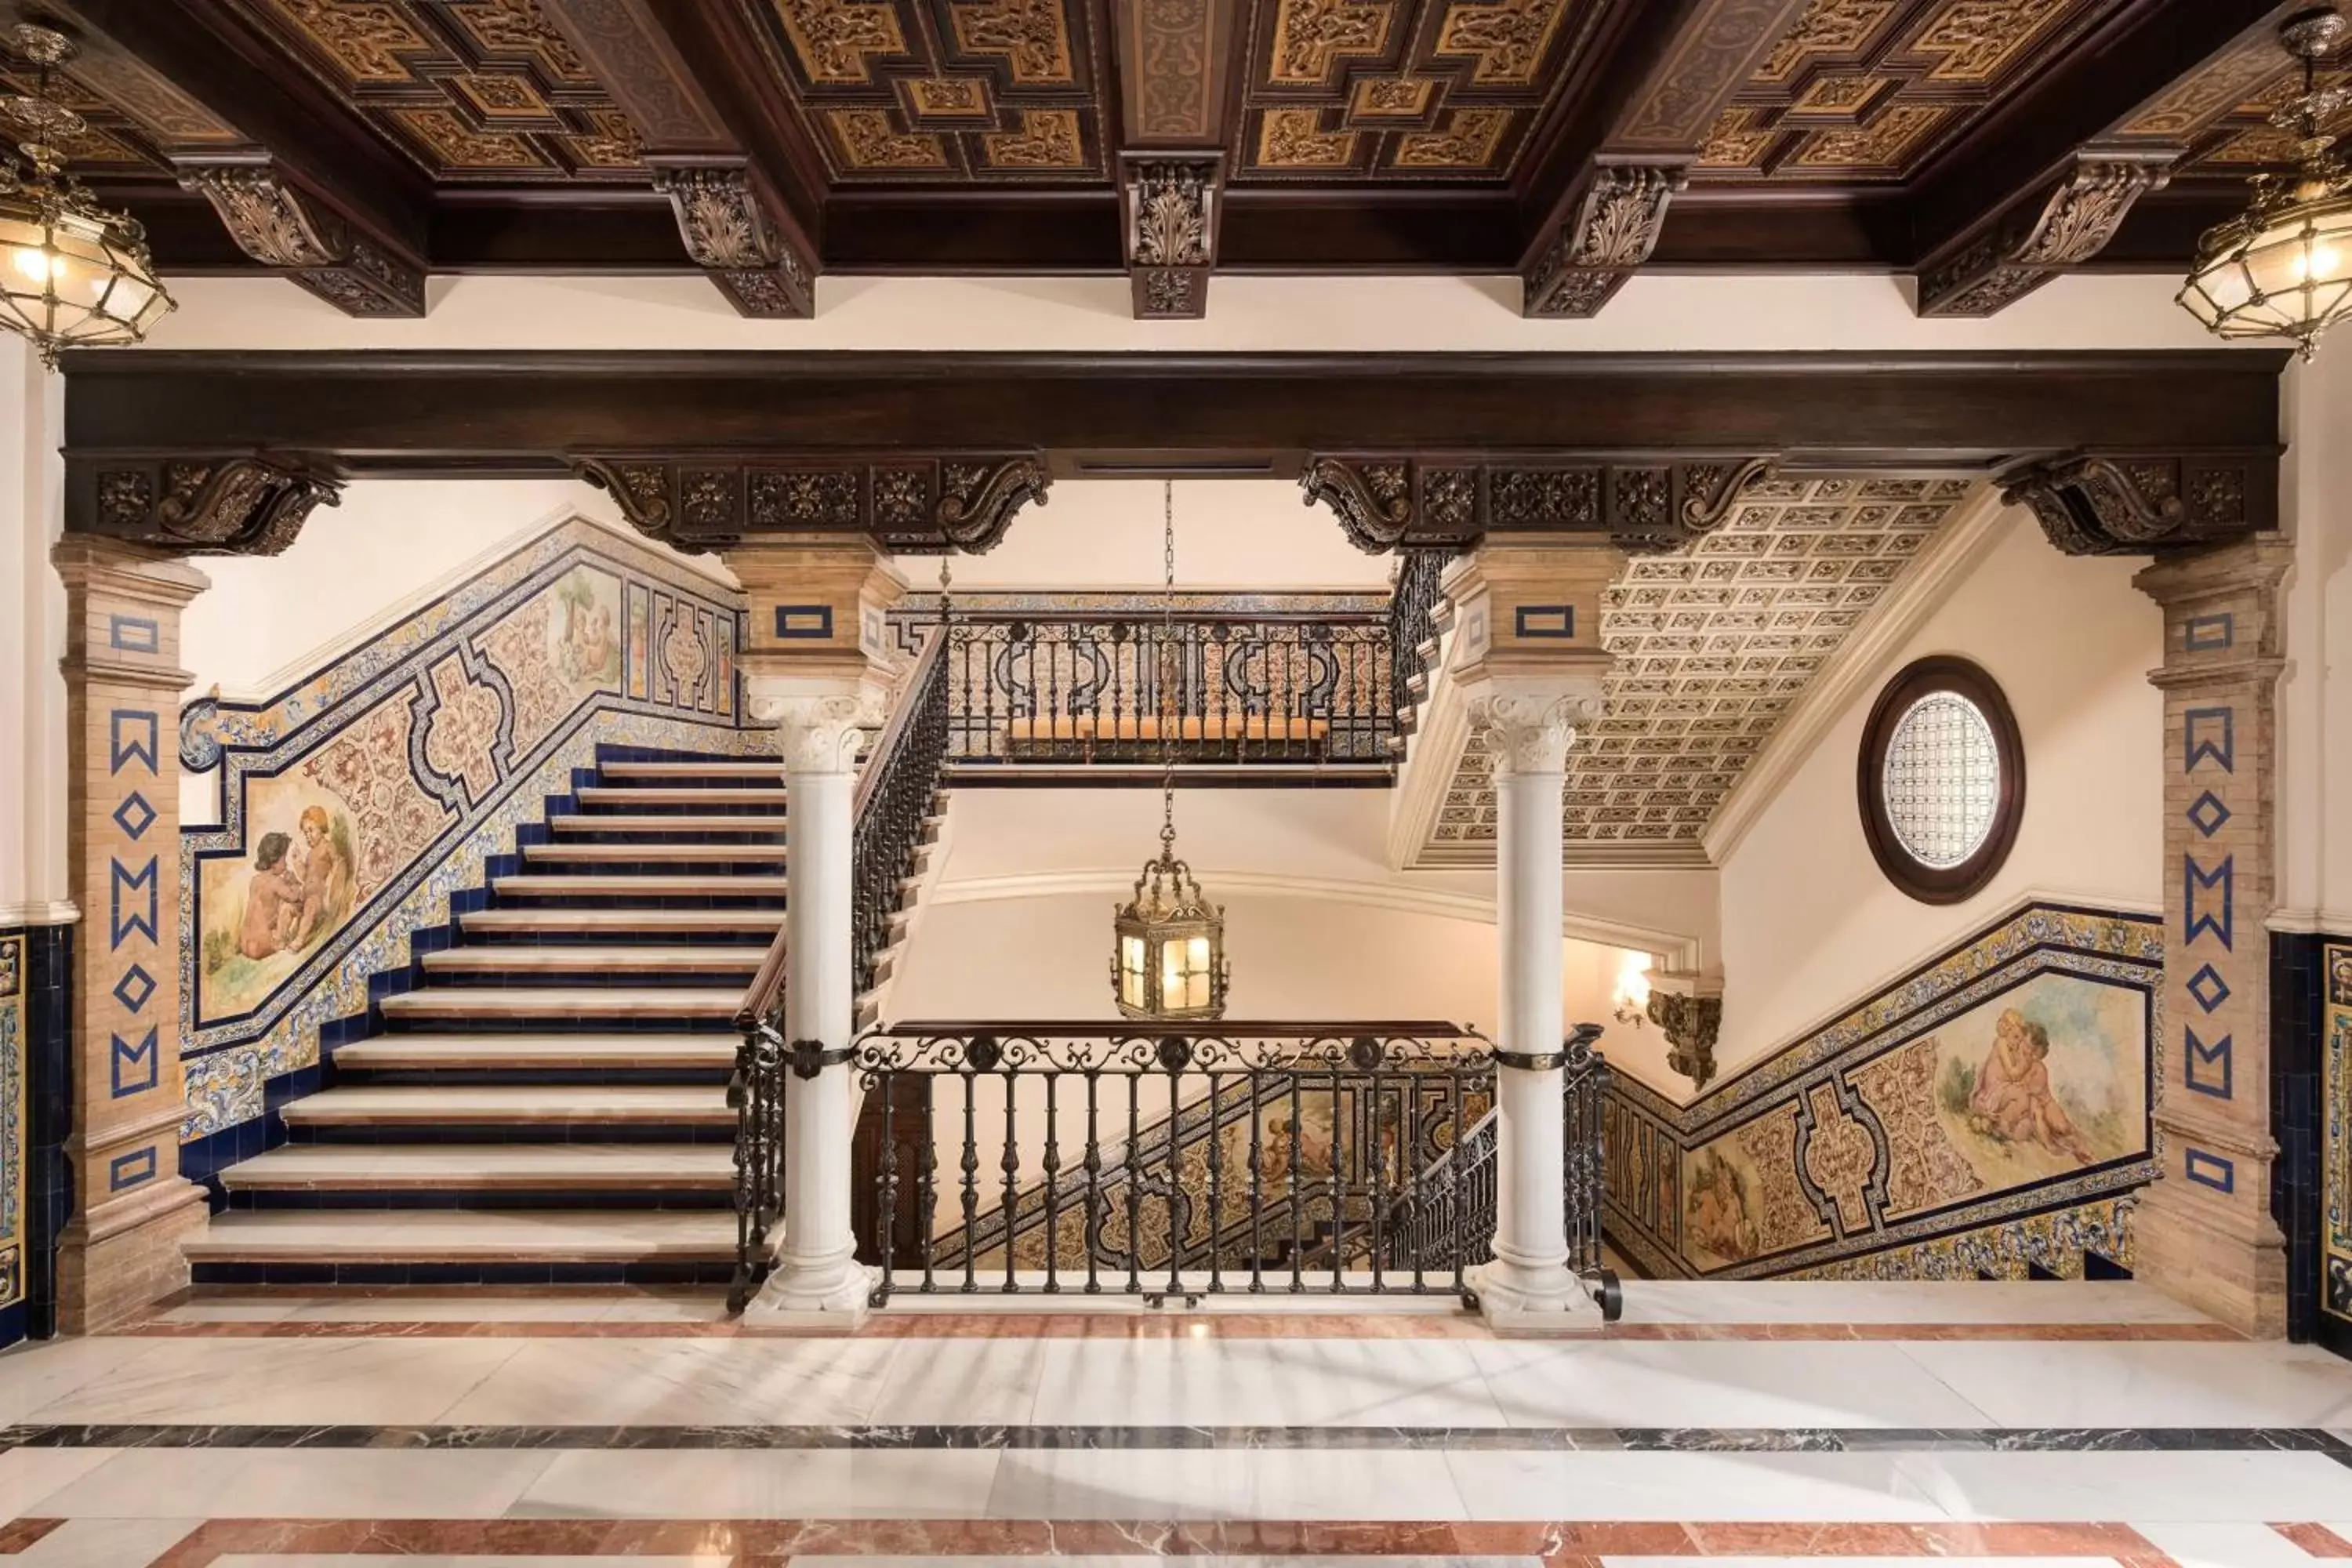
{"type": "Point", "coordinates": [356, 801]}
{"type": "Point", "coordinates": [15, 1001]}
{"type": "Point", "coordinates": [1988, 1113]}
{"type": "Point", "coordinates": [2335, 1171]}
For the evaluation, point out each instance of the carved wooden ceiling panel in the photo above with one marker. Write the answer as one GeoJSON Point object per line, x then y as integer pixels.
{"type": "Point", "coordinates": [934, 89]}
{"type": "Point", "coordinates": [472, 90]}
{"type": "Point", "coordinates": [1868, 90]}
{"type": "Point", "coordinates": [1404, 89]}
{"type": "Point", "coordinates": [2245, 142]}
{"type": "Point", "coordinates": [1713, 642]}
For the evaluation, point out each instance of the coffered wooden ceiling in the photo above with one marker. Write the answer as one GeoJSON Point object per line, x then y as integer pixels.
{"type": "Point", "coordinates": [1981, 145]}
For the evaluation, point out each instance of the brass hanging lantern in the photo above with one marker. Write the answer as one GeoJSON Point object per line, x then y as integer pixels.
{"type": "Point", "coordinates": [2284, 269]}
{"type": "Point", "coordinates": [1168, 952]}
{"type": "Point", "coordinates": [72, 273]}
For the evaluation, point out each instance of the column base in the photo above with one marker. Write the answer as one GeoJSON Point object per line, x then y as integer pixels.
{"type": "Point", "coordinates": [2211, 1265]}
{"type": "Point", "coordinates": [828, 1298]}
{"type": "Point", "coordinates": [1515, 1299]}
{"type": "Point", "coordinates": [126, 1258]}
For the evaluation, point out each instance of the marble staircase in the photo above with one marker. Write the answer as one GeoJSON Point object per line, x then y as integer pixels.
{"type": "Point", "coordinates": [546, 1102]}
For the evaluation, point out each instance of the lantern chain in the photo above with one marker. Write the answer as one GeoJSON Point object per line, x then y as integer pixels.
{"type": "Point", "coordinates": [1168, 654]}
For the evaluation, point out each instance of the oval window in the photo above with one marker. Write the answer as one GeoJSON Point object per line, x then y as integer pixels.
{"type": "Point", "coordinates": [1942, 780]}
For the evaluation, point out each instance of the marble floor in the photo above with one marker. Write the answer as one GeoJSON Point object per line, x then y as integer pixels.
{"type": "Point", "coordinates": [2092, 1425]}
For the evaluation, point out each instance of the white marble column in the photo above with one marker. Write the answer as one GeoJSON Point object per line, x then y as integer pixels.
{"type": "Point", "coordinates": [1530, 722]}
{"type": "Point", "coordinates": [817, 1280]}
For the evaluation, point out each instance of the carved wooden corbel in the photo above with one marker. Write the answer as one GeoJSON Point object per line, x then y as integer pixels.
{"type": "Point", "coordinates": [1690, 1024]}
{"type": "Point", "coordinates": [246, 504]}
{"type": "Point", "coordinates": [278, 226]}
{"type": "Point", "coordinates": [1169, 204]}
{"type": "Point", "coordinates": [2125, 504]}
{"type": "Point", "coordinates": [2072, 225]}
{"type": "Point", "coordinates": [907, 504]}
{"type": "Point", "coordinates": [1614, 228]}
{"type": "Point", "coordinates": [729, 233]}
{"type": "Point", "coordinates": [1644, 505]}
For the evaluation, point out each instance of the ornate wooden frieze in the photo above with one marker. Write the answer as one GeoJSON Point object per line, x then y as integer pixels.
{"type": "Point", "coordinates": [245, 504]}
{"type": "Point", "coordinates": [1612, 231]}
{"type": "Point", "coordinates": [1168, 203]}
{"type": "Point", "coordinates": [910, 504]}
{"type": "Point", "coordinates": [1642, 505]}
{"type": "Point", "coordinates": [1691, 1025]}
{"type": "Point", "coordinates": [729, 232]}
{"type": "Point", "coordinates": [280, 225]}
{"type": "Point", "coordinates": [2123, 503]}
{"type": "Point", "coordinates": [2072, 225]}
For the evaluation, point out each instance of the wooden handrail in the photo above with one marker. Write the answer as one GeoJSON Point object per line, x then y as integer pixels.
{"type": "Point", "coordinates": [760, 996]}
{"type": "Point", "coordinates": [1423, 1029]}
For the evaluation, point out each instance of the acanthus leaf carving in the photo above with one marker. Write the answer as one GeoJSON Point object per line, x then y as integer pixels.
{"type": "Point", "coordinates": [2130, 503]}
{"type": "Point", "coordinates": [278, 226]}
{"type": "Point", "coordinates": [1171, 204]}
{"type": "Point", "coordinates": [1612, 231]}
{"type": "Point", "coordinates": [909, 504]}
{"type": "Point", "coordinates": [1690, 1024]}
{"type": "Point", "coordinates": [233, 504]}
{"type": "Point", "coordinates": [2073, 223]}
{"type": "Point", "coordinates": [726, 228]}
{"type": "Point", "coordinates": [1385, 503]}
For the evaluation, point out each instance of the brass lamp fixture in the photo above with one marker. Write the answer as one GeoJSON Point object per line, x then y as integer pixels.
{"type": "Point", "coordinates": [2285, 268]}
{"type": "Point", "coordinates": [1168, 953]}
{"type": "Point", "coordinates": [72, 273]}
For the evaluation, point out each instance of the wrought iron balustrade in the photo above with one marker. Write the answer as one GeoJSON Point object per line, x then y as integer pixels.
{"type": "Point", "coordinates": [1213, 687]}
{"type": "Point", "coordinates": [1412, 621]}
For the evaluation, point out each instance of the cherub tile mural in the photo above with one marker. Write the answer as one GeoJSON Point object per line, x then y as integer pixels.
{"type": "Point", "coordinates": [2009, 1078]}
{"type": "Point", "coordinates": [356, 802]}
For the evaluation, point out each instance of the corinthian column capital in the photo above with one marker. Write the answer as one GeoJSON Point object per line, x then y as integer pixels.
{"type": "Point", "coordinates": [820, 720]}
{"type": "Point", "coordinates": [1531, 722]}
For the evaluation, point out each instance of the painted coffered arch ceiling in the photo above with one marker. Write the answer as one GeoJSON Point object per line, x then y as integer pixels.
{"type": "Point", "coordinates": [1981, 146]}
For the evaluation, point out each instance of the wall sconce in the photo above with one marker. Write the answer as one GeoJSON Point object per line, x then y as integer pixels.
{"type": "Point", "coordinates": [1631, 997]}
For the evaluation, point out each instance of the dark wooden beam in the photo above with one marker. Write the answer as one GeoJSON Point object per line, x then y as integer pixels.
{"type": "Point", "coordinates": [1175, 69]}
{"type": "Point", "coordinates": [1617, 154]}
{"type": "Point", "coordinates": [731, 163]}
{"type": "Point", "coordinates": [302, 188]}
{"type": "Point", "coordinates": [2046, 179]}
{"type": "Point", "coordinates": [426, 413]}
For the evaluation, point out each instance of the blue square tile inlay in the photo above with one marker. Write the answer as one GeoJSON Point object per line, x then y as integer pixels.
{"type": "Point", "coordinates": [133, 989]}
{"type": "Point", "coordinates": [2208, 815]}
{"type": "Point", "coordinates": [2209, 988]}
{"type": "Point", "coordinates": [134, 816]}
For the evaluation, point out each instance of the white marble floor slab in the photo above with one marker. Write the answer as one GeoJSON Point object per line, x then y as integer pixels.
{"type": "Point", "coordinates": [1225, 1483]}
{"type": "Point", "coordinates": [113, 1543]}
{"type": "Point", "coordinates": [32, 1375]}
{"type": "Point", "coordinates": [1923, 1302]}
{"type": "Point", "coordinates": [1717, 1383]}
{"type": "Point", "coordinates": [679, 1383]}
{"type": "Point", "coordinates": [288, 1381]}
{"type": "Point", "coordinates": [2129, 1384]}
{"type": "Point", "coordinates": [2208, 1487]}
{"type": "Point", "coordinates": [299, 1483]}
{"type": "Point", "coordinates": [831, 1483]}
{"type": "Point", "coordinates": [961, 1382]}
{"type": "Point", "coordinates": [377, 1560]}
{"type": "Point", "coordinates": [1343, 1383]}
{"type": "Point", "coordinates": [1685, 1486]}
{"type": "Point", "coordinates": [2220, 1546]}
{"type": "Point", "coordinates": [1616, 1560]}
{"type": "Point", "coordinates": [29, 1475]}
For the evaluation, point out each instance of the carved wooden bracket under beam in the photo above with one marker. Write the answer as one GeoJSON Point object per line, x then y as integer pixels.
{"type": "Point", "coordinates": [1641, 504]}
{"type": "Point", "coordinates": [2130, 503]}
{"type": "Point", "coordinates": [225, 504]}
{"type": "Point", "coordinates": [1168, 205]}
{"type": "Point", "coordinates": [276, 222]}
{"type": "Point", "coordinates": [727, 231]}
{"type": "Point", "coordinates": [908, 503]}
{"type": "Point", "coordinates": [1612, 231]}
{"type": "Point", "coordinates": [2024, 251]}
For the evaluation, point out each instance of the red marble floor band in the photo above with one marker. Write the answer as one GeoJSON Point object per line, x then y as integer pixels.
{"type": "Point", "coordinates": [771, 1543]}
{"type": "Point", "coordinates": [18, 1534]}
{"type": "Point", "coordinates": [2316, 1539]}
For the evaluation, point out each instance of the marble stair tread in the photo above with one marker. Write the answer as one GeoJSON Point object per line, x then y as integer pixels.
{"type": "Point", "coordinates": [761, 922]}
{"type": "Point", "coordinates": [508, 1103]}
{"type": "Point", "coordinates": [546, 1167]}
{"type": "Point", "coordinates": [653, 795]}
{"type": "Point", "coordinates": [679, 821]}
{"type": "Point", "coordinates": [650, 884]}
{"type": "Point", "coordinates": [401, 1236]}
{"type": "Point", "coordinates": [576, 1002]}
{"type": "Point", "coordinates": [770, 768]}
{"type": "Point", "coordinates": [572, 853]}
{"type": "Point", "coordinates": [457, 1051]}
{"type": "Point", "coordinates": [733, 958]}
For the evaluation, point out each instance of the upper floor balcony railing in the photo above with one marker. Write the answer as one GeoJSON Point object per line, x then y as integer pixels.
{"type": "Point", "coordinates": [1197, 687]}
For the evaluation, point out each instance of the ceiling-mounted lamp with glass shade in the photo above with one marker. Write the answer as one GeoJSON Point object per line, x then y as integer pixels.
{"type": "Point", "coordinates": [72, 273]}
{"type": "Point", "coordinates": [2285, 268]}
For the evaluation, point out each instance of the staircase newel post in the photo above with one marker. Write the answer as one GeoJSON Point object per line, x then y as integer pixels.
{"type": "Point", "coordinates": [1532, 675]}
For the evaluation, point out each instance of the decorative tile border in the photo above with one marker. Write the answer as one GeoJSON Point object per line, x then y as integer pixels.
{"type": "Point", "coordinates": [16, 1036]}
{"type": "Point", "coordinates": [1828, 1160]}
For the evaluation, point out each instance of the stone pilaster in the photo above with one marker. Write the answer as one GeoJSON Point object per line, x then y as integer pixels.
{"type": "Point", "coordinates": [2205, 1231]}
{"type": "Point", "coordinates": [119, 1249]}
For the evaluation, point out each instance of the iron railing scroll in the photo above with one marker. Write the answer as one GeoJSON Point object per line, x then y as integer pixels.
{"type": "Point", "coordinates": [1412, 624]}
{"type": "Point", "coordinates": [896, 785]}
{"type": "Point", "coordinates": [1262, 687]}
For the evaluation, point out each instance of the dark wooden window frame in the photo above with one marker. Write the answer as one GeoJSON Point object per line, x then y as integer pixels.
{"type": "Point", "coordinates": [1944, 884]}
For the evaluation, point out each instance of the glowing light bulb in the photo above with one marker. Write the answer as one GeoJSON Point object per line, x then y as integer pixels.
{"type": "Point", "coordinates": [35, 263]}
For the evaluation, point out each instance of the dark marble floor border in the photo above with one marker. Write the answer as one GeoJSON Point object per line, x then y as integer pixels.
{"type": "Point", "coordinates": [1676, 1439]}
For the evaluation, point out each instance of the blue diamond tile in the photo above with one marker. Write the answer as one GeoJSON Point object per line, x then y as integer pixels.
{"type": "Point", "coordinates": [2208, 989]}
{"type": "Point", "coordinates": [133, 989]}
{"type": "Point", "coordinates": [134, 816]}
{"type": "Point", "coordinates": [2208, 814]}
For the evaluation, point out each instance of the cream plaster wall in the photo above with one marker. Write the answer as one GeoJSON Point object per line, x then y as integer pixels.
{"type": "Point", "coordinates": [2315, 779]}
{"type": "Point", "coordinates": [34, 883]}
{"type": "Point", "coordinates": [1808, 922]}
